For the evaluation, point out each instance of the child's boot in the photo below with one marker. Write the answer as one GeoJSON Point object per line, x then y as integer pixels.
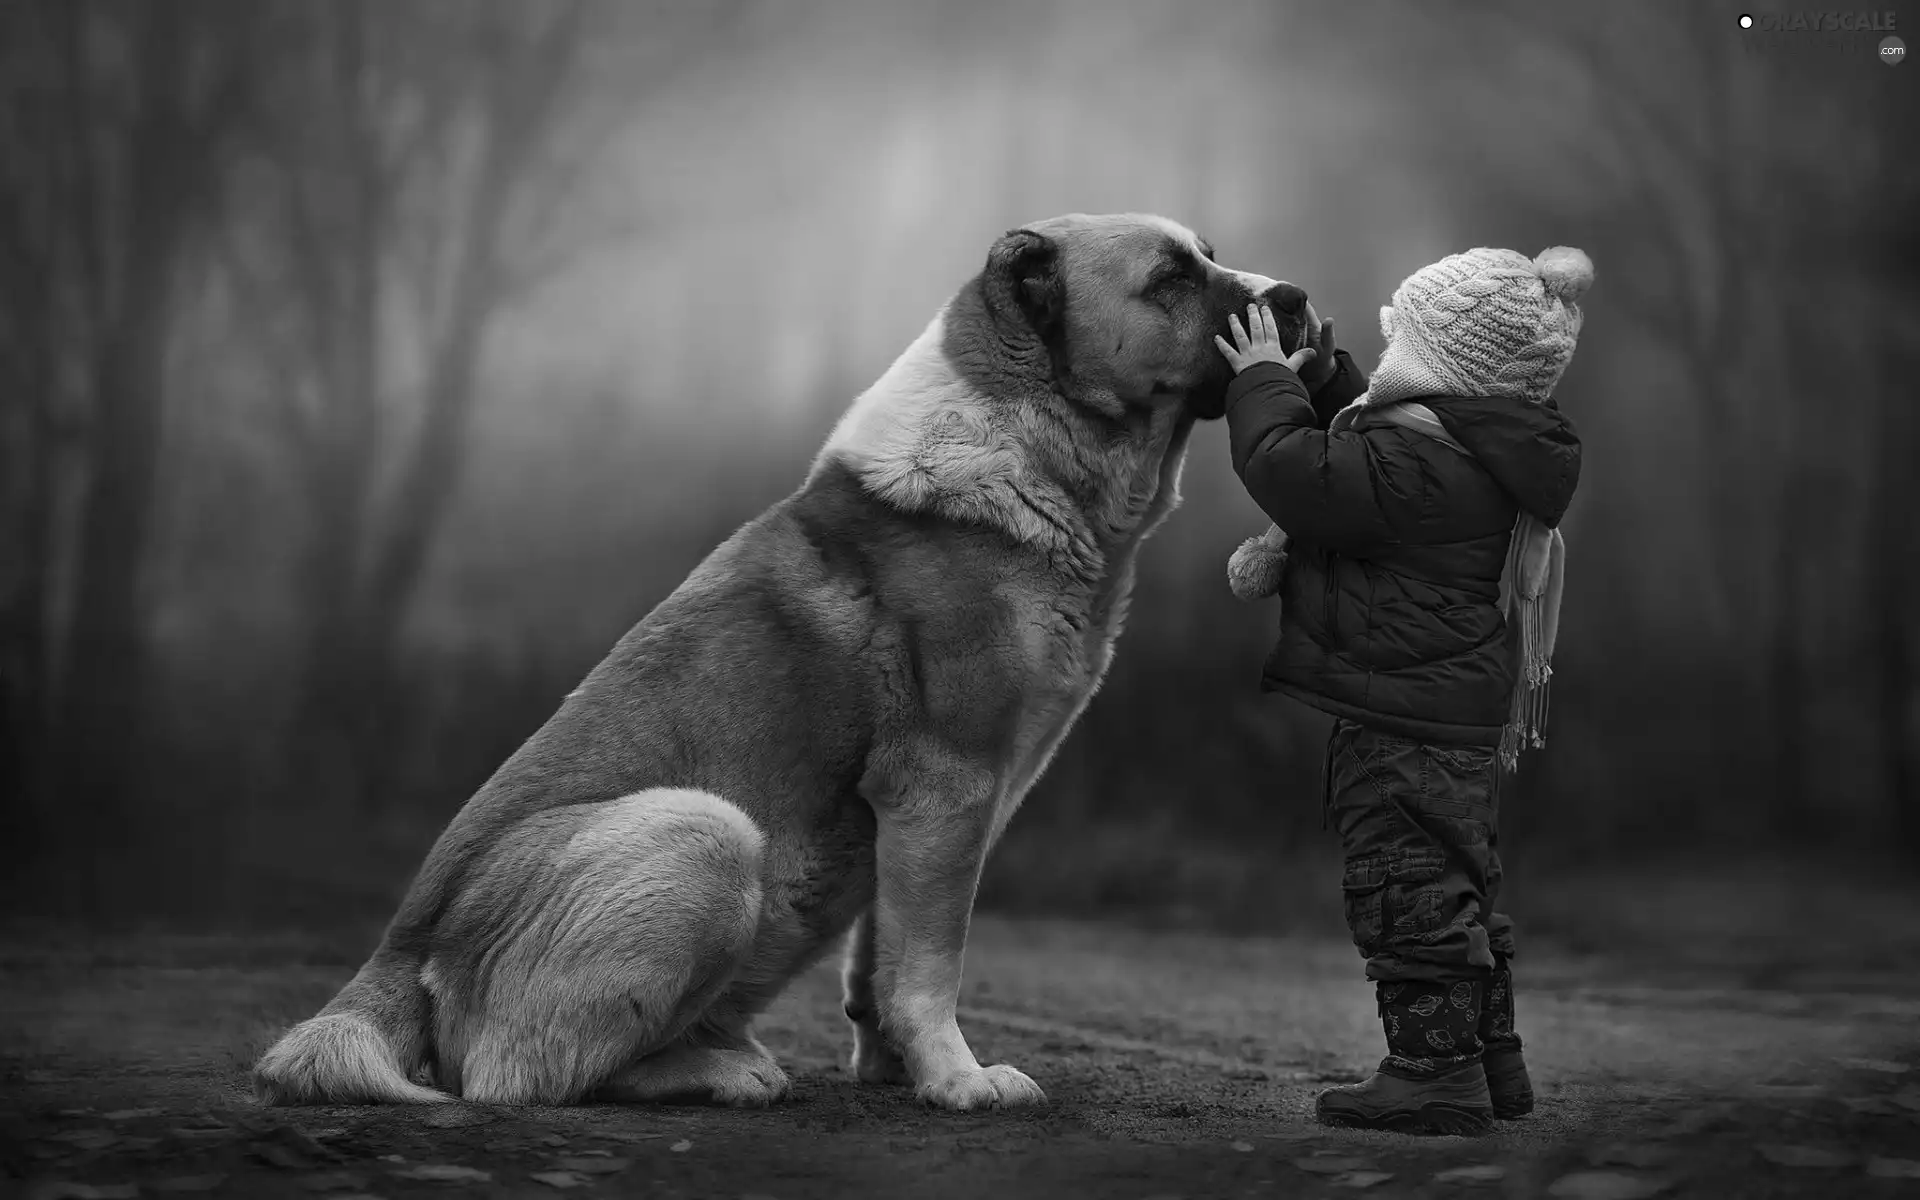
{"type": "Point", "coordinates": [1507, 1080]}
{"type": "Point", "coordinates": [1431, 1080]}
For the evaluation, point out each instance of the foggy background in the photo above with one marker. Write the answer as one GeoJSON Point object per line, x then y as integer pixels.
{"type": "Point", "coordinates": [369, 368]}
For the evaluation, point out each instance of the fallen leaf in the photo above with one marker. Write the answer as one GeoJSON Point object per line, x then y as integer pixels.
{"type": "Point", "coordinates": [553, 1139]}
{"type": "Point", "coordinates": [1696, 1119]}
{"type": "Point", "coordinates": [1295, 1135]}
{"type": "Point", "coordinates": [627, 1135]}
{"type": "Point", "coordinates": [301, 1142]}
{"type": "Point", "coordinates": [1885, 1066]}
{"type": "Point", "coordinates": [191, 1183]}
{"type": "Point", "coordinates": [1893, 1168]}
{"type": "Point", "coordinates": [393, 1158]}
{"type": "Point", "coordinates": [561, 1179]}
{"type": "Point", "coordinates": [595, 1153]}
{"type": "Point", "coordinates": [1629, 1154]}
{"type": "Point", "coordinates": [1815, 1157]}
{"type": "Point", "coordinates": [1332, 1165]}
{"type": "Point", "coordinates": [594, 1166]}
{"type": "Point", "coordinates": [200, 1134]}
{"type": "Point", "coordinates": [1242, 1147]}
{"type": "Point", "coordinates": [202, 1120]}
{"type": "Point", "coordinates": [444, 1173]}
{"type": "Point", "coordinates": [1478, 1173]}
{"type": "Point", "coordinates": [131, 1114]}
{"type": "Point", "coordinates": [259, 1122]}
{"type": "Point", "coordinates": [279, 1156]}
{"type": "Point", "coordinates": [1360, 1179]}
{"type": "Point", "coordinates": [1871, 1106]}
{"type": "Point", "coordinates": [681, 1146]}
{"type": "Point", "coordinates": [334, 1181]}
{"type": "Point", "coordinates": [1605, 1185]}
{"type": "Point", "coordinates": [85, 1191]}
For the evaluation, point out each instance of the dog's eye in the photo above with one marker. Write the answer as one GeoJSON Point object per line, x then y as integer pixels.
{"type": "Point", "coordinates": [1168, 290]}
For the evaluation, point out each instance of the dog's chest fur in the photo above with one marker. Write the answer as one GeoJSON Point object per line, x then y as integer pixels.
{"type": "Point", "coordinates": [1085, 621]}
{"type": "Point", "coordinates": [1004, 541]}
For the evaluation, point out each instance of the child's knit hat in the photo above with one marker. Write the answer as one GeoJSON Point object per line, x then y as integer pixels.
{"type": "Point", "coordinates": [1483, 323]}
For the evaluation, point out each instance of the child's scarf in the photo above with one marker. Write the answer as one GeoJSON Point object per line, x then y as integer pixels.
{"type": "Point", "coordinates": [1530, 583]}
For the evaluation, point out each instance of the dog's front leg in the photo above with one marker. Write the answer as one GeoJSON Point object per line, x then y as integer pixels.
{"type": "Point", "coordinates": [873, 1061]}
{"type": "Point", "coordinates": [932, 839]}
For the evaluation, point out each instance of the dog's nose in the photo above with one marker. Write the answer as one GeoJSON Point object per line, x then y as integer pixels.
{"type": "Point", "coordinates": [1287, 298]}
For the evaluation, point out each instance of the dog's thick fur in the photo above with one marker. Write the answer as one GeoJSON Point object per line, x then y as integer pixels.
{"type": "Point", "coordinates": [820, 734]}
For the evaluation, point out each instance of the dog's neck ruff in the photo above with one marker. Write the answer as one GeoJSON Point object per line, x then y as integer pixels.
{"type": "Point", "coordinates": [924, 439]}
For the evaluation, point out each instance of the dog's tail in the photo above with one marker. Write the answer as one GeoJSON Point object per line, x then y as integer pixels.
{"type": "Point", "coordinates": [360, 1049]}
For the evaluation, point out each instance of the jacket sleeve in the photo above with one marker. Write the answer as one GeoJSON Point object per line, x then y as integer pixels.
{"type": "Point", "coordinates": [1319, 486]}
{"type": "Point", "coordinates": [1339, 389]}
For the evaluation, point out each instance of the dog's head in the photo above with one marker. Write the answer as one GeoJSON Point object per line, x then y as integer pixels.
{"type": "Point", "coordinates": [1127, 306]}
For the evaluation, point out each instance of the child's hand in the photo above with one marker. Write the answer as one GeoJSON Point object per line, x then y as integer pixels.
{"type": "Point", "coordinates": [1263, 346]}
{"type": "Point", "coordinates": [1319, 335]}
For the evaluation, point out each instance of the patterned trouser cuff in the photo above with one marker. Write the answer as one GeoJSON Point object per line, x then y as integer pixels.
{"type": "Point", "coordinates": [1426, 1068]}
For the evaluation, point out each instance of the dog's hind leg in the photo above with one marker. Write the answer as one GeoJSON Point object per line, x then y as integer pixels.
{"type": "Point", "coordinates": [616, 929]}
{"type": "Point", "coordinates": [716, 1061]}
{"type": "Point", "coordinates": [361, 1048]}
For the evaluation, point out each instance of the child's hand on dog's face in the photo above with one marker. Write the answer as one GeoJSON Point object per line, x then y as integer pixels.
{"type": "Point", "coordinates": [1264, 344]}
{"type": "Point", "coordinates": [1319, 336]}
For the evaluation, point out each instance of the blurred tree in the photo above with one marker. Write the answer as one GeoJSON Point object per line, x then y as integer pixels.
{"type": "Point", "coordinates": [402, 137]}
{"type": "Point", "coordinates": [420, 177]}
{"type": "Point", "coordinates": [1893, 544]}
{"type": "Point", "coordinates": [37, 159]}
{"type": "Point", "coordinates": [116, 142]}
{"type": "Point", "coordinates": [1700, 204]}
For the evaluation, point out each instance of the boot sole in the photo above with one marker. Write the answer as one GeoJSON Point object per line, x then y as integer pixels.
{"type": "Point", "coordinates": [1429, 1120]}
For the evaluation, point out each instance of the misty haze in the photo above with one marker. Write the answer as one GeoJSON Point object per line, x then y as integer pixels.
{"type": "Point", "coordinates": [370, 368]}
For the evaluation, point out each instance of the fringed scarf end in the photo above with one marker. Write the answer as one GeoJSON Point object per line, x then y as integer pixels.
{"type": "Point", "coordinates": [1530, 593]}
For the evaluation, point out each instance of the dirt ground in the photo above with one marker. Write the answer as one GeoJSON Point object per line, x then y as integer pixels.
{"type": "Point", "coordinates": [1177, 1065]}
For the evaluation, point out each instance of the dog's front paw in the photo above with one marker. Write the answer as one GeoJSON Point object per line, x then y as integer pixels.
{"type": "Point", "coordinates": [972, 1088]}
{"type": "Point", "coordinates": [873, 1060]}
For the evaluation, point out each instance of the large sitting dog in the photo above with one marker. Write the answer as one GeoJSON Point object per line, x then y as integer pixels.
{"type": "Point", "coordinates": [821, 733]}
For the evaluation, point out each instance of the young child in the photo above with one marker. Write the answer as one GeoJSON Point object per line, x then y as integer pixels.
{"type": "Point", "coordinates": [1419, 594]}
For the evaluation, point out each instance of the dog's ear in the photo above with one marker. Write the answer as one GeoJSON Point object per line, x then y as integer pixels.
{"type": "Point", "coordinates": [1023, 282]}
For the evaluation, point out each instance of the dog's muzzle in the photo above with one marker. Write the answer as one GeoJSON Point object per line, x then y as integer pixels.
{"type": "Point", "coordinates": [1289, 305]}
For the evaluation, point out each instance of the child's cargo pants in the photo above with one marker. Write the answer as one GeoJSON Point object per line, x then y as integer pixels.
{"type": "Point", "coordinates": [1420, 827]}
